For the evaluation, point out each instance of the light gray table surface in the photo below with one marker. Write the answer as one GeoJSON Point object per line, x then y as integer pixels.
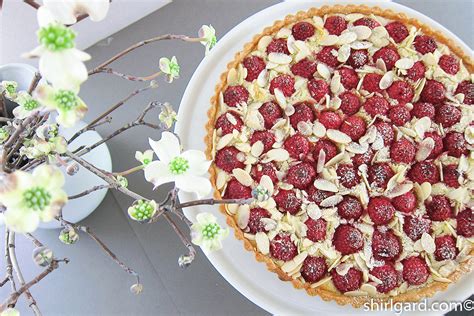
{"type": "Point", "coordinates": [91, 284]}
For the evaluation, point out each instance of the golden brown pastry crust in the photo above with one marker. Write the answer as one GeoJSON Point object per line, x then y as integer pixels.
{"type": "Point", "coordinates": [326, 291]}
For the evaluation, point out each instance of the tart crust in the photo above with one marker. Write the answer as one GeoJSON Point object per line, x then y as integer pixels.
{"type": "Point", "coordinates": [327, 291]}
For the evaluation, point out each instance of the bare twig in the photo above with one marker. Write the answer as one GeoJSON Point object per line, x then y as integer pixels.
{"type": "Point", "coordinates": [129, 171]}
{"type": "Point", "coordinates": [3, 108]}
{"type": "Point", "coordinates": [214, 201]}
{"type": "Point", "coordinates": [34, 240]}
{"type": "Point", "coordinates": [129, 77]}
{"type": "Point", "coordinates": [15, 137]}
{"type": "Point", "coordinates": [86, 192]}
{"type": "Point", "coordinates": [182, 237]}
{"type": "Point", "coordinates": [9, 266]}
{"type": "Point", "coordinates": [34, 82]}
{"type": "Point", "coordinates": [32, 3]}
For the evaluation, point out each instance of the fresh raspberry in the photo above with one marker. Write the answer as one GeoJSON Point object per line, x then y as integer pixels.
{"type": "Point", "coordinates": [365, 21]}
{"type": "Point", "coordinates": [350, 103]}
{"type": "Point", "coordinates": [388, 275]}
{"type": "Point", "coordinates": [266, 137]}
{"type": "Point", "coordinates": [451, 176]}
{"type": "Point", "coordinates": [349, 78]}
{"type": "Point", "coordinates": [358, 58]}
{"type": "Point", "coordinates": [376, 105]}
{"type": "Point", "coordinates": [386, 245]}
{"type": "Point", "coordinates": [417, 71]}
{"type": "Point", "coordinates": [365, 158]}
{"type": "Point", "coordinates": [405, 203]}
{"type": "Point", "coordinates": [351, 281]}
{"type": "Point", "coordinates": [330, 120]}
{"type": "Point", "coordinates": [302, 30]}
{"type": "Point", "coordinates": [388, 54]}
{"type": "Point", "coordinates": [449, 64]}
{"type": "Point", "coordinates": [284, 83]}
{"type": "Point", "coordinates": [371, 82]}
{"type": "Point", "coordinates": [347, 175]}
{"type": "Point", "coordinates": [254, 66]}
{"type": "Point", "coordinates": [329, 148]}
{"type": "Point", "coordinates": [318, 89]}
{"type": "Point", "coordinates": [264, 169]}
{"type": "Point", "coordinates": [433, 92]}
{"type": "Point", "coordinates": [228, 159]}
{"type": "Point", "coordinates": [304, 68]}
{"type": "Point", "coordinates": [328, 55]}
{"type": "Point", "coordinates": [386, 131]}
{"type": "Point", "coordinates": [303, 113]}
{"type": "Point", "coordinates": [403, 151]}
{"type": "Point", "coordinates": [447, 115]}
{"type": "Point", "coordinates": [438, 144]}
{"type": "Point", "coordinates": [282, 248]}
{"type": "Point", "coordinates": [422, 109]}
{"type": "Point", "coordinates": [415, 271]}
{"type": "Point", "coordinates": [271, 112]}
{"type": "Point", "coordinates": [350, 208]}
{"type": "Point", "coordinates": [236, 190]}
{"type": "Point", "coordinates": [401, 91]}
{"type": "Point", "coordinates": [424, 44]}
{"type": "Point", "coordinates": [335, 24]}
{"type": "Point", "coordinates": [278, 45]}
{"type": "Point", "coordinates": [317, 196]}
{"type": "Point", "coordinates": [397, 31]}
{"type": "Point", "coordinates": [255, 224]}
{"type": "Point", "coordinates": [234, 95]}
{"type": "Point", "coordinates": [445, 248]}
{"type": "Point", "coordinates": [424, 171]}
{"type": "Point", "coordinates": [354, 126]}
{"type": "Point", "coordinates": [297, 146]}
{"type": "Point", "coordinates": [301, 175]}
{"type": "Point", "coordinates": [379, 174]}
{"type": "Point", "coordinates": [380, 210]}
{"type": "Point", "coordinates": [465, 223]}
{"type": "Point", "coordinates": [399, 115]}
{"type": "Point", "coordinates": [414, 227]}
{"type": "Point", "coordinates": [455, 144]}
{"type": "Point", "coordinates": [466, 88]}
{"type": "Point", "coordinates": [314, 269]}
{"type": "Point", "coordinates": [316, 229]}
{"type": "Point", "coordinates": [439, 208]}
{"type": "Point", "coordinates": [228, 126]}
{"type": "Point", "coordinates": [348, 239]}
{"type": "Point", "coordinates": [287, 201]}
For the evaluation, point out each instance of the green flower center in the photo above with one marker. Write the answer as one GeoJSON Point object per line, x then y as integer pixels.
{"type": "Point", "coordinates": [66, 99]}
{"type": "Point", "coordinates": [30, 104]}
{"type": "Point", "coordinates": [146, 161]}
{"type": "Point", "coordinates": [174, 69]}
{"type": "Point", "coordinates": [10, 88]}
{"type": "Point", "coordinates": [143, 210]}
{"type": "Point", "coordinates": [53, 131]}
{"type": "Point", "coordinates": [56, 37]}
{"type": "Point", "coordinates": [178, 165]}
{"type": "Point", "coordinates": [212, 42]}
{"type": "Point", "coordinates": [210, 231]}
{"type": "Point", "coordinates": [37, 198]}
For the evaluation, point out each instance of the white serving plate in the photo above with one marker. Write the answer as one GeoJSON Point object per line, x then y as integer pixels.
{"type": "Point", "coordinates": [233, 262]}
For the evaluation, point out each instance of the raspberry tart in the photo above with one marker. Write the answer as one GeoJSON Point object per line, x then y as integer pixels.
{"type": "Point", "coordinates": [353, 129]}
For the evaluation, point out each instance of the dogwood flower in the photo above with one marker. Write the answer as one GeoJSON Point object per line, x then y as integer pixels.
{"type": "Point", "coordinates": [37, 147]}
{"type": "Point", "coordinates": [170, 68]}
{"type": "Point", "coordinates": [142, 210]}
{"type": "Point", "coordinates": [26, 105]}
{"type": "Point", "coordinates": [60, 62]}
{"type": "Point", "coordinates": [207, 233]}
{"type": "Point", "coordinates": [32, 197]}
{"type": "Point", "coordinates": [185, 169]}
{"type": "Point", "coordinates": [208, 35]}
{"type": "Point", "coordinates": [144, 158]}
{"type": "Point", "coordinates": [69, 106]}
{"type": "Point", "coordinates": [10, 312]}
{"type": "Point", "coordinates": [68, 236]}
{"type": "Point", "coordinates": [67, 11]}
{"type": "Point", "coordinates": [9, 89]}
{"type": "Point", "coordinates": [167, 116]}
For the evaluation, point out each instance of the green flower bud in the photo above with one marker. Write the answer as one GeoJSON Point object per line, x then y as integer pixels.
{"type": "Point", "coordinates": [142, 210]}
{"type": "Point", "coordinates": [42, 256]}
{"type": "Point", "coordinates": [122, 181]}
{"type": "Point", "coordinates": [137, 288]}
{"type": "Point", "coordinates": [68, 236]}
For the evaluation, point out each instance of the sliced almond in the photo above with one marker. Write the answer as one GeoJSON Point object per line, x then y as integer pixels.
{"type": "Point", "coordinates": [296, 261]}
{"type": "Point", "coordinates": [325, 185]}
{"type": "Point", "coordinates": [221, 179]}
{"type": "Point", "coordinates": [224, 141]}
{"type": "Point", "coordinates": [262, 78]}
{"type": "Point", "coordinates": [321, 161]}
{"type": "Point", "coordinates": [343, 268]}
{"type": "Point", "coordinates": [399, 190]}
{"type": "Point", "coordinates": [323, 71]}
{"type": "Point", "coordinates": [336, 85]}
{"type": "Point", "coordinates": [314, 211]}
{"type": "Point", "coordinates": [242, 176]}
{"type": "Point", "coordinates": [363, 32]}
{"type": "Point", "coordinates": [257, 149]}
{"type": "Point", "coordinates": [232, 77]}
{"type": "Point", "coordinates": [321, 282]}
{"type": "Point", "coordinates": [305, 128]}
{"type": "Point", "coordinates": [243, 215]}
{"type": "Point", "coordinates": [360, 45]}
{"type": "Point", "coordinates": [369, 289]}
{"type": "Point", "coordinates": [357, 148]}
{"type": "Point", "coordinates": [380, 64]}
{"type": "Point", "coordinates": [346, 38]}
{"type": "Point", "coordinates": [425, 148]}
{"type": "Point", "coordinates": [421, 126]}
{"type": "Point", "coordinates": [331, 201]}
{"type": "Point", "coordinates": [263, 43]}
{"type": "Point", "coordinates": [263, 243]}
{"type": "Point", "coordinates": [343, 53]}
{"type": "Point", "coordinates": [422, 191]}
{"type": "Point", "coordinates": [319, 129]}
{"type": "Point", "coordinates": [404, 63]}
{"type": "Point", "coordinates": [386, 80]}
{"type": "Point", "coordinates": [280, 98]}
{"type": "Point", "coordinates": [427, 242]}
{"type": "Point", "coordinates": [338, 136]}
{"type": "Point", "coordinates": [329, 40]}
{"type": "Point", "coordinates": [279, 58]}
{"type": "Point", "coordinates": [278, 154]}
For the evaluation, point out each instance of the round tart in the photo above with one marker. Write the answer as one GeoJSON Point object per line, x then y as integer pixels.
{"type": "Point", "coordinates": [353, 129]}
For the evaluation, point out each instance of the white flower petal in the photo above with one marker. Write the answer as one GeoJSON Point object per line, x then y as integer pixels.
{"type": "Point", "coordinates": [158, 173]}
{"type": "Point", "coordinates": [63, 69]}
{"type": "Point", "coordinates": [35, 52]}
{"type": "Point", "coordinates": [21, 221]}
{"type": "Point", "coordinates": [198, 164]}
{"type": "Point", "coordinates": [167, 147]}
{"type": "Point", "coordinates": [45, 16]}
{"type": "Point", "coordinates": [48, 176]}
{"type": "Point", "coordinates": [79, 54]}
{"type": "Point", "coordinates": [205, 218]}
{"type": "Point", "coordinates": [97, 9]}
{"type": "Point", "coordinates": [189, 183]}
